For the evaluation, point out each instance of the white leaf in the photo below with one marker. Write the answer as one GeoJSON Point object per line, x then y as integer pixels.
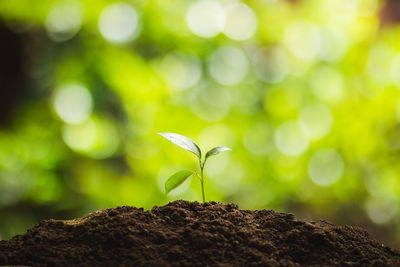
{"type": "Point", "coordinates": [183, 142]}
{"type": "Point", "coordinates": [217, 150]}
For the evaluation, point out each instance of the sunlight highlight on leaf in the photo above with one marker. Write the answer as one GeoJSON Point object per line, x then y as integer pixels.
{"type": "Point", "coordinates": [217, 150]}
{"type": "Point", "coordinates": [183, 142]}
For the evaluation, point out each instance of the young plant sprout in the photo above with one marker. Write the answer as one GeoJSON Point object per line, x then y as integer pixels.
{"type": "Point", "coordinates": [178, 178]}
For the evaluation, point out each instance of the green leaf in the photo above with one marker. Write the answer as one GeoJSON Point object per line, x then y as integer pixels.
{"type": "Point", "coordinates": [176, 179]}
{"type": "Point", "coordinates": [216, 151]}
{"type": "Point", "coordinates": [183, 142]}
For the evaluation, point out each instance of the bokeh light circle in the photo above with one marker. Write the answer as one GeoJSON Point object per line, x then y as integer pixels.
{"type": "Point", "coordinates": [80, 137]}
{"type": "Point", "coordinates": [270, 64]}
{"type": "Point", "coordinates": [98, 137]}
{"type": "Point", "coordinates": [228, 65]}
{"type": "Point", "coordinates": [206, 18]}
{"type": "Point", "coordinates": [240, 23]}
{"type": "Point", "coordinates": [259, 138]}
{"type": "Point", "coordinates": [212, 104]}
{"type": "Point", "coordinates": [381, 210]}
{"type": "Point", "coordinates": [290, 140]}
{"type": "Point", "coordinates": [72, 103]}
{"type": "Point", "coordinates": [64, 20]}
{"type": "Point", "coordinates": [119, 22]}
{"type": "Point", "coordinates": [381, 64]}
{"type": "Point", "coordinates": [325, 167]}
{"type": "Point", "coordinates": [180, 71]}
{"type": "Point", "coordinates": [395, 71]}
{"type": "Point", "coordinates": [335, 43]}
{"type": "Point", "coordinates": [327, 84]}
{"type": "Point", "coordinates": [315, 121]}
{"type": "Point", "coordinates": [303, 39]}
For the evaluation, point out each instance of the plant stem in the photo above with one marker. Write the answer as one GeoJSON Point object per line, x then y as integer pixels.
{"type": "Point", "coordinates": [202, 179]}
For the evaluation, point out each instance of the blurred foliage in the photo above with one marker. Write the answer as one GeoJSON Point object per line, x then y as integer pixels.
{"type": "Point", "coordinates": [306, 93]}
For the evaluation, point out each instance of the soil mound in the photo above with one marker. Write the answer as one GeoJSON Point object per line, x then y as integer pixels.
{"type": "Point", "coordinates": [192, 234]}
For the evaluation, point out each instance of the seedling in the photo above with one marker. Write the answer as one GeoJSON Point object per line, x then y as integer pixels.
{"type": "Point", "coordinates": [178, 178]}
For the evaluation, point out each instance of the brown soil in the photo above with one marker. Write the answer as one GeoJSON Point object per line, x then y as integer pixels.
{"type": "Point", "coordinates": [192, 234]}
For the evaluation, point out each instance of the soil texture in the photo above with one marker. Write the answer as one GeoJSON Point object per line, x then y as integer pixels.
{"type": "Point", "coordinates": [185, 233]}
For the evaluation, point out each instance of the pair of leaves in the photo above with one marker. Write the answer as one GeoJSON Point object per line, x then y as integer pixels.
{"type": "Point", "coordinates": [178, 178]}
{"type": "Point", "coordinates": [191, 146]}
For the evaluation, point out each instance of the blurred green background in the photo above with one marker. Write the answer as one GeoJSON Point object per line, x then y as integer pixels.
{"type": "Point", "coordinates": [305, 92]}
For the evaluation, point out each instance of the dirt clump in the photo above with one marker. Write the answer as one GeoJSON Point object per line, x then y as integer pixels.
{"type": "Point", "coordinates": [185, 233]}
